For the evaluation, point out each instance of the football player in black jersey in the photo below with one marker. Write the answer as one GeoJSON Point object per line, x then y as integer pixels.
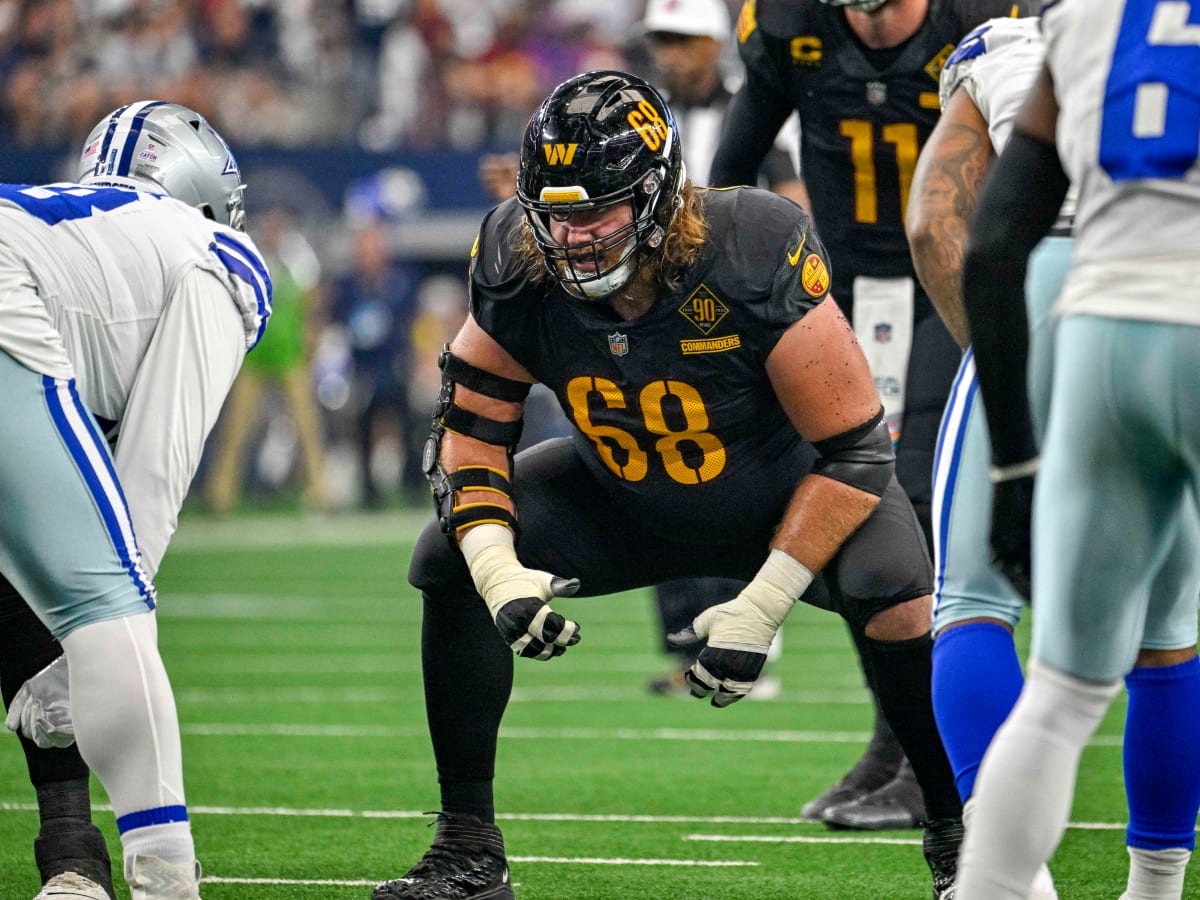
{"type": "Point", "coordinates": [725, 422]}
{"type": "Point", "coordinates": [863, 75]}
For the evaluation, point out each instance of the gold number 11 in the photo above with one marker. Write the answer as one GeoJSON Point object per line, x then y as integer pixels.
{"type": "Point", "coordinates": [862, 156]}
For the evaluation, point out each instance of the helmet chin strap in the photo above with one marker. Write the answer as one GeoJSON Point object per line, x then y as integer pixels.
{"type": "Point", "coordinates": [615, 279]}
{"type": "Point", "coordinates": [608, 283]}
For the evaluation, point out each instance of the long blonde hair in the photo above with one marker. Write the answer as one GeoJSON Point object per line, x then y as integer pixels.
{"type": "Point", "coordinates": [686, 234]}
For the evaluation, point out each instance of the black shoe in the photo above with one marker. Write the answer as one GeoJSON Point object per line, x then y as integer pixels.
{"type": "Point", "coordinates": [670, 684]}
{"type": "Point", "coordinates": [940, 843]}
{"type": "Point", "coordinates": [869, 774]}
{"type": "Point", "coordinates": [466, 862]}
{"type": "Point", "coordinates": [73, 845]}
{"type": "Point", "coordinates": [898, 804]}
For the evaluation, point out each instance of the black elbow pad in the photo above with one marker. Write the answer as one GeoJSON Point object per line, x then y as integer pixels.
{"type": "Point", "coordinates": [862, 457]}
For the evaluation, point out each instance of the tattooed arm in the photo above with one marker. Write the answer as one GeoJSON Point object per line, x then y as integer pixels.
{"type": "Point", "coordinates": [945, 186]}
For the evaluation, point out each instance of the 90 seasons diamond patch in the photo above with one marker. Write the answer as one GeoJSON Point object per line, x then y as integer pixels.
{"type": "Point", "coordinates": [704, 309]}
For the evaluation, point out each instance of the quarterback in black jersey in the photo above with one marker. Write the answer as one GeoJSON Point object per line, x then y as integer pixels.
{"type": "Point", "coordinates": [725, 423]}
{"type": "Point", "coordinates": [863, 75]}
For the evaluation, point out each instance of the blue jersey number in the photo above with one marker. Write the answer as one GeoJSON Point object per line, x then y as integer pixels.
{"type": "Point", "coordinates": [1151, 122]}
{"type": "Point", "coordinates": [54, 203]}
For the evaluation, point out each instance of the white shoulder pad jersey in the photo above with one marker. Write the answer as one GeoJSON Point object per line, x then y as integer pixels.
{"type": "Point", "coordinates": [1125, 77]}
{"type": "Point", "coordinates": [156, 307]}
{"type": "Point", "coordinates": [996, 64]}
{"type": "Point", "coordinates": [109, 259]}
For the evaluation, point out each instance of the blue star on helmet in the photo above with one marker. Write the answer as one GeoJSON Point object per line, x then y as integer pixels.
{"type": "Point", "coordinates": [971, 46]}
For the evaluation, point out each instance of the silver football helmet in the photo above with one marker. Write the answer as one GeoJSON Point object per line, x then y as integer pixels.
{"type": "Point", "coordinates": [169, 149]}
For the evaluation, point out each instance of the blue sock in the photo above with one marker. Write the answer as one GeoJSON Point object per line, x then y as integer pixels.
{"type": "Point", "coordinates": [976, 680]}
{"type": "Point", "coordinates": [1162, 746]}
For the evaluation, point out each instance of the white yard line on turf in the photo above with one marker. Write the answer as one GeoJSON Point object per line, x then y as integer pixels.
{"type": "Point", "coordinates": [248, 696]}
{"type": "Point", "coordinates": [324, 882]}
{"type": "Point", "coordinates": [225, 729]}
{"type": "Point", "coordinates": [557, 860]}
{"type": "Point", "coordinates": [275, 531]}
{"type": "Point", "coordinates": [794, 839]}
{"type": "Point", "coordinates": [600, 818]}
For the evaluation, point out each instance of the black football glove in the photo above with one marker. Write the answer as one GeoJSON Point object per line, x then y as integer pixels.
{"type": "Point", "coordinates": [724, 674]}
{"type": "Point", "coordinates": [739, 632]}
{"type": "Point", "coordinates": [535, 631]}
{"type": "Point", "coordinates": [517, 597]}
{"type": "Point", "coordinates": [1012, 517]}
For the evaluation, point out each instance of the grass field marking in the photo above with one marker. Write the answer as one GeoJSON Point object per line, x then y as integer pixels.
{"type": "Point", "coordinates": [270, 660]}
{"type": "Point", "coordinates": [794, 839]}
{"type": "Point", "coordinates": [256, 606]}
{"type": "Point", "coordinates": [319, 882]}
{"type": "Point", "coordinates": [707, 735]}
{"type": "Point", "coordinates": [227, 729]}
{"type": "Point", "coordinates": [606, 818]}
{"type": "Point", "coordinates": [562, 693]}
{"type": "Point", "coordinates": [599, 818]}
{"type": "Point", "coordinates": [233, 729]}
{"type": "Point", "coordinates": [619, 861]}
{"type": "Point", "coordinates": [281, 531]}
{"type": "Point", "coordinates": [556, 860]}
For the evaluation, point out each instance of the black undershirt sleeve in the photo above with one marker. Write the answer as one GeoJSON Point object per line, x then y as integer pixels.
{"type": "Point", "coordinates": [1018, 204]}
{"type": "Point", "coordinates": [752, 121]}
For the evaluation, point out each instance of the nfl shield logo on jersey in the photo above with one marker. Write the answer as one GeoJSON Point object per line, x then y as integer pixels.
{"type": "Point", "coordinates": [618, 344]}
{"type": "Point", "coordinates": [883, 332]}
{"type": "Point", "coordinates": [876, 93]}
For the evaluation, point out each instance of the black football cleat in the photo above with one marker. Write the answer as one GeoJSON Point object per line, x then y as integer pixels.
{"type": "Point", "coordinates": [897, 805]}
{"type": "Point", "coordinates": [465, 862]}
{"type": "Point", "coordinates": [868, 774]}
{"type": "Point", "coordinates": [72, 852]}
{"type": "Point", "coordinates": [940, 843]}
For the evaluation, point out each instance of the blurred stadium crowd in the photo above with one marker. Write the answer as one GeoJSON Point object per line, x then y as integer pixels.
{"type": "Point", "coordinates": [380, 74]}
{"type": "Point", "coordinates": [359, 125]}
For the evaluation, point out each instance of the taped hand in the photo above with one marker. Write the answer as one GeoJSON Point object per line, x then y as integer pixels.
{"type": "Point", "coordinates": [739, 632]}
{"type": "Point", "coordinates": [516, 596]}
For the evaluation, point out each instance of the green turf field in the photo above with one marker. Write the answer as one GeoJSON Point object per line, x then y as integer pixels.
{"type": "Point", "coordinates": [293, 648]}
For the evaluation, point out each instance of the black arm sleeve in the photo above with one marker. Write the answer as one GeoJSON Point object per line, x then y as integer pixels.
{"type": "Point", "coordinates": [777, 168]}
{"type": "Point", "coordinates": [1018, 204]}
{"type": "Point", "coordinates": [754, 117]}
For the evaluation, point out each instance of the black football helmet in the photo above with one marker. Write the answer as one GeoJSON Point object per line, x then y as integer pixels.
{"type": "Point", "coordinates": [864, 5]}
{"type": "Point", "coordinates": [599, 139]}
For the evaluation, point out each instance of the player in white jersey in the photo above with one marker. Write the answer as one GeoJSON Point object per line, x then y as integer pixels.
{"type": "Point", "coordinates": [976, 672]}
{"type": "Point", "coordinates": [1119, 467]}
{"type": "Point", "coordinates": [127, 303]}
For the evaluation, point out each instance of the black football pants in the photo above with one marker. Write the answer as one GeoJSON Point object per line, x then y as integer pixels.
{"type": "Point", "coordinates": [570, 528]}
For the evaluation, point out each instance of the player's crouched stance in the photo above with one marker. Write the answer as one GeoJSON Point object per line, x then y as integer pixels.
{"type": "Point", "coordinates": [725, 423]}
{"type": "Point", "coordinates": [127, 303]}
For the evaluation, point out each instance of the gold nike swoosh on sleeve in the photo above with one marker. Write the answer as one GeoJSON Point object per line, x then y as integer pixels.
{"type": "Point", "coordinates": [794, 258]}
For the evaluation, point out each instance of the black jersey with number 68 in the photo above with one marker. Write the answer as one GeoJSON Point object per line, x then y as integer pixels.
{"type": "Point", "coordinates": [673, 411]}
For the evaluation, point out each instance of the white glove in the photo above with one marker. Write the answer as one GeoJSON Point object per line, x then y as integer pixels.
{"type": "Point", "coordinates": [41, 710]}
{"type": "Point", "coordinates": [740, 631]}
{"type": "Point", "coordinates": [516, 596]}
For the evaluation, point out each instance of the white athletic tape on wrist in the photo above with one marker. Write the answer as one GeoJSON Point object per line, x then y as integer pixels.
{"type": "Point", "coordinates": [750, 620]}
{"type": "Point", "coordinates": [1000, 474]}
{"type": "Point", "coordinates": [498, 574]}
{"type": "Point", "coordinates": [778, 585]}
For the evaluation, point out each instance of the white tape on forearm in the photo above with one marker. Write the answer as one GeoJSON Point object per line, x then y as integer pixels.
{"type": "Point", "coordinates": [778, 585]}
{"type": "Point", "coordinates": [498, 574]}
